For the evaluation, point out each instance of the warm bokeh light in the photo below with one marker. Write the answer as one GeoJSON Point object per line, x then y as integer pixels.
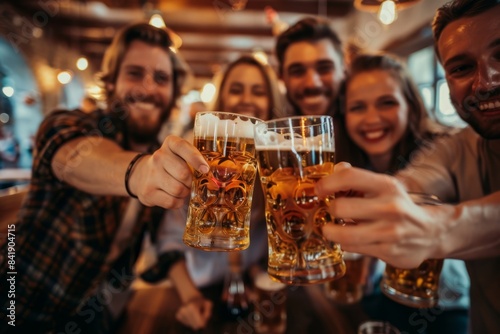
{"type": "Point", "coordinates": [208, 92]}
{"type": "Point", "coordinates": [82, 63]}
{"type": "Point", "coordinates": [8, 91]}
{"type": "Point", "coordinates": [64, 77]}
{"type": "Point", "coordinates": [157, 21]}
{"type": "Point", "coordinates": [387, 13]}
{"type": "Point", "coordinates": [261, 56]}
{"type": "Point", "coordinates": [4, 118]}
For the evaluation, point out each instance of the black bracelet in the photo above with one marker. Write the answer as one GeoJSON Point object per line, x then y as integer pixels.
{"type": "Point", "coordinates": [129, 171]}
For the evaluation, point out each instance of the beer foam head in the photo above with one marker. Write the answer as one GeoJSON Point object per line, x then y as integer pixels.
{"type": "Point", "coordinates": [266, 139]}
{"type": "Point", "coordinates": [266, 283]}
{"type": "Point", "coordinates": [209, 124]}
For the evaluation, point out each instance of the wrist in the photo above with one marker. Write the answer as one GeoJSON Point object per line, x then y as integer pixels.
{"type": "Point", "coordinates": [444, 216]}
{"type": "Point", "coordinates": [130, 186]}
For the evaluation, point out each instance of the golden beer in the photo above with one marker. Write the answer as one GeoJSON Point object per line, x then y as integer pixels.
{"type": "Point", "coordinates": [298, 252]}
{"type": "Point", "coordinates": [416, 287]}
{"type": "Point", "coordinates": [219, 210]}
{"type": "Point", "coordinates": [270, 305]}
{"type": "Point", "coordinates": [413, 287]}
{"type": "Point", "coordinates": [349, 288]}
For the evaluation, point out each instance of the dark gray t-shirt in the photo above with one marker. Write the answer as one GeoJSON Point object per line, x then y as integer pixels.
{"type": "Point", "coordinates": [460, 168]}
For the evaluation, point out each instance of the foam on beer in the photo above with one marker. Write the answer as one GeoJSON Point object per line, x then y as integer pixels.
{"type": "Point", "coordinates": [270, 140]}
{"type": "Point", "coordinates": [265, 283]}
{"type": "Point", "coordinates": [211, 124]}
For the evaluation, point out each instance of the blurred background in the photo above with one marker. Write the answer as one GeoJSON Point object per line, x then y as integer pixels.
{"type": "Point", "coordinates": [50, 50]}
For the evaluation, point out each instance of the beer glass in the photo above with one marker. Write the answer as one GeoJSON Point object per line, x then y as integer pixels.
{"type": "Point", "coordinates": [349, 288]}
{"type": "Point", "coordinates": [270, 305]}
{"type": "Point", "coordinates": [417, 287]}
{"type": "Point", "coordinates": [293, 154]}
{"type": "Point", "coordinates": [219, 210]}
{"type": "Point", "coordinates": [377, 327]}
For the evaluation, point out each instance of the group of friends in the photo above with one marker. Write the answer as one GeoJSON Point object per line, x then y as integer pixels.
{"type": "Point", "coordinates": [100, 183]}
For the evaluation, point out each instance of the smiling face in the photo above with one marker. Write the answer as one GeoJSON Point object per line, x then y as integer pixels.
{"type": "Point", "coordinates": [312, 73]}
{"type": "Point", "coordinates": [144, 85]}
{"type": "Point", "coordinates": [246, 92]}
{"type": "Point", "coordinates": [376, 115]}
{"type": "Point", "coordinates": [470, 53]}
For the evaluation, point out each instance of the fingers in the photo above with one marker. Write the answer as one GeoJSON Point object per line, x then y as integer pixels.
{"type": "Point", "coordinates": [347, 178]}
{"type": "Point", "coordinates": [166, 176]}
{"type": "Point", "coordinates": [188, 153]}
{"type": "Point", "coordinates": [359, 235]}
{"type": "Point", "coordinates": [195, 314]}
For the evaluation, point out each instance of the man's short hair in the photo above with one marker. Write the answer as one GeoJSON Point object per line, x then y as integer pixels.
{"type": "Point", "coordinates": [150, 35]}
{"type": "Point", "coordinates": [455, 10]}
{"type": "Point", "coordinates": [307, 29]}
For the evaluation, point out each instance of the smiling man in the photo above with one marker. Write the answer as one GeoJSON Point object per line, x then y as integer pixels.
{"type": "Point", "coordinates": [461, 169]}
{"type": "Point", "coordinates": [311, 66]}
{"type": "Point", "coordinates": [79, 226]}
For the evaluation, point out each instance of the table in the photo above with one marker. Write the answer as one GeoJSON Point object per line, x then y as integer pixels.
{"type": "Point", "coordinates": [15, 174]}
{"type": "Point", "coordinates": [151, 309]}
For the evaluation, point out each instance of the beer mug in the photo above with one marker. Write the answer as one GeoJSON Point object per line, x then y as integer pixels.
{"type": "Point", "coordinates": [377, 327]}
{"type": "Point", "coordinates": [416, 287]}
{"type": "Point", "coordinates": [293, 154]}
{"type": "Point", "coordinates": [270, 305]}
{"type": "Point", "coordinates": [349, 288]}
{"type": "Point", "coordinates": [219, 210]}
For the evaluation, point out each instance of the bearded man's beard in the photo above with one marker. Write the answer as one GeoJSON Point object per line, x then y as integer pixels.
{"type": "Point", "coordinates": [141, 134]}
{"type": "Point", "coordinates": [138, 130]}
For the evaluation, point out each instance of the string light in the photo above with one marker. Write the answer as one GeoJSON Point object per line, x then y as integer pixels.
{"type": "Point", "coordinates": [64, 77]}
{"type": "Point", "coordinates": [82, 63]}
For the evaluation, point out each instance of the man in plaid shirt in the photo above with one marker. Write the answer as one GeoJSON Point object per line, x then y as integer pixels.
{"type": "Point", "coordinates": [78, 226]}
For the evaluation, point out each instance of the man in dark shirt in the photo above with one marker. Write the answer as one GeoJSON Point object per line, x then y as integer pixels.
{"type": "Point", "coordinates": [311, 65]}
{"type": "Point", "coordinates": [81, 223]}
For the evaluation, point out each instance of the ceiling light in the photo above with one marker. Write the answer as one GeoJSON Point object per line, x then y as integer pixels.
{"type": "Point", "coordinates": [82, 63]}
{"type": "Point", "coordinates": [387, 13]}
{"type": "Point", "coordinates": [157, 21]}
{"type": "Point", "coordinates": [387, 10]}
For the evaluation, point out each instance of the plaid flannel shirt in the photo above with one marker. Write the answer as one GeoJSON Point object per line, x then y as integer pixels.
{"type": "Point", "coordinates": [63, 234]}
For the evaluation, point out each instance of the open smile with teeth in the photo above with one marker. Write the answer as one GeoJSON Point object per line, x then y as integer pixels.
{"type": "Point", "coordinates": [374, 135]}
{"type": "Point", "coordinates": [313, 99]}
{"type": "Point", "coordinates": [490, 105]}
{"type": "Point", "coordinates": [144, 105]}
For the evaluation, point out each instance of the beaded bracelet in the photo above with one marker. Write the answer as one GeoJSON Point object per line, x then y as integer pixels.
{"type": "Point", "coordinates": [129, 171]}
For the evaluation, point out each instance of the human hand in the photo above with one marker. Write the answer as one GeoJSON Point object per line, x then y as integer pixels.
{"type": "Point", "coordinates": [195, 313]}
{"type": "Point", "coordinates": [164, 178]}
{"type": "Point", "coordinates": [389, 225]}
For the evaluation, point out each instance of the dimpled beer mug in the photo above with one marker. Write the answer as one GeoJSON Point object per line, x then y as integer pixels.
{"type": "Point", "coordinates": [416, 287]}
{"type": "Point", "coordinates": [219, 210]}
{"type": "Point", "coordinates": [293, 154]}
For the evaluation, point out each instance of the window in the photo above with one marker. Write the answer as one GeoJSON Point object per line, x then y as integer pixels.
{"type": "Point", "coordinates": [428, 74]}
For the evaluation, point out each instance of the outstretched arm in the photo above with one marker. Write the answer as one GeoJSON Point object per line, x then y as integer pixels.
{"type": "Point", "coordinates": [394, 229]}
{"type": "Point", "coordinates": [98, 166]}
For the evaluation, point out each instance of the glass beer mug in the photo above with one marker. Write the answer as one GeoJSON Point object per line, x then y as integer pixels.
{"type": "Point", "coordinates": [417, 287]}
{"type": "Point", "coordinates": [293, 154]}
{"type": "Point", "coordinates": [219, 210]}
